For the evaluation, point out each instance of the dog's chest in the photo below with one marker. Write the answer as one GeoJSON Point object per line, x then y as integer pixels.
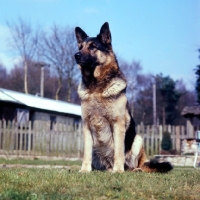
{"type": "Point", "coordinates": [101, 109]}
{"type": "Point", "coordinates": [98, 112]}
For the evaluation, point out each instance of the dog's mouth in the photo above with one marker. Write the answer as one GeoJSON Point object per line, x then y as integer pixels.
{"type": "Point", "coordinates": [81, 63]}
{"type": "Point", "coordinates": [85, 61]}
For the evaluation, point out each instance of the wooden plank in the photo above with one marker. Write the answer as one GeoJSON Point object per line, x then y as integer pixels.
{"type": "Point", "coordinates": [42, 130]}
{"type": "Point", "coordinates": [4, 136]}
{"type": "Point", "coordinates": [60, 143]}
{"type": "Point", "coordinates": [29, 138]}
{"type": "Point", "coordinates": [182, 133]}
{"type": "Point", "coordinates": [20, 139]}
{"type": "Point", "coordinates": [53, 139]}
{"type": "Point", "coordinates": [160, 136]}
{"type": "Point", "coordinates": [178, 146]}
{"type": "Point", "coordinates": [48, 138]}
{"type": "Point", "coordinates": [56, 136]}
{"type": "Point", "coordinates": [65, 147]}
{"type": "Point", "coordinates": [8, 137]}
{"type": "Point", "coordinates": [34, 134]}
{"type": "Point", "coordinates": [173, 137]}
{"type": "Point", "coordinates": [147, 140]}
{"type": "Point", "coordinates": [12, 144]}
{"type": "Point", "coordinates": [152, 141]}
{"type": "Point", "coordinates": [35, 138]}
{"type": "Point", "coordinates": [79, 140]}
{"type": "Point", "coordinates": [156, 140]}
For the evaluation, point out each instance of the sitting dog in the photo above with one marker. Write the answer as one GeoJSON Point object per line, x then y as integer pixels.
{"type": "Point", "coordinates": [110, 140]}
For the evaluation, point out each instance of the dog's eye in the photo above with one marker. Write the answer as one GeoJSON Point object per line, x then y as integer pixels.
{"type": "Point", "coordinates": [80, 47]}
{"type": "Point", "coordinates": [92, 46]}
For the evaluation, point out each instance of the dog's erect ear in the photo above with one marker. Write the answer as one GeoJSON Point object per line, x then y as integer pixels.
{"type": "Point", "coordinates": [105, 35]}
{"type": "Point", "coordinates": [80, 35]}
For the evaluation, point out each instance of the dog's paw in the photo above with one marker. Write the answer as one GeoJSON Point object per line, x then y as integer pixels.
{"type": "Point", "coordinates": [137, 170]}
{"type": "Point", "coordinates": [117, 171]}
{"type": "Point", "coordinates": [86, 167]}
{"type": "Point", "coordinates": [118, 167]}
{"type": "Point", "coordinates": [83, 171]}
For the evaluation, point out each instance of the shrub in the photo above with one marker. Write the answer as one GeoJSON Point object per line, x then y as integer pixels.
{"type": "Point", "coordinates": [166, 143]}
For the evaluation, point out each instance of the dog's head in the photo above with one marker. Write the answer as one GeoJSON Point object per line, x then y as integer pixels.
{"type": "Point", "coordinates": [95, 53]}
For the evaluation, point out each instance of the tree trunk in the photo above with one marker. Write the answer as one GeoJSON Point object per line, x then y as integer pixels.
{"type": "Point", "coordinates": [69, 89]}
{"type": "Point", "coordinates": [58, 89]}
{"type": "Point", "coordinates": [25, 78]}
{"type": "Point", "coordinates": [69, 94]}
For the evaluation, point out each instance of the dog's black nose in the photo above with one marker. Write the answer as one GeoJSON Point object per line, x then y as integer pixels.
{"type": "Point", "coordinates": [77, 56]}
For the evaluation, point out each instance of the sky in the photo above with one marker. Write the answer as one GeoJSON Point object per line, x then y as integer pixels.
{"type": "Point", "coordinates": [164, 36]}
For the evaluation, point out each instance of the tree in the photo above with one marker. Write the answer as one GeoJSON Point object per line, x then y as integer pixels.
{"type": "Point", "coordinates": [166, 143]}
{"type": "Point", "coordinates": [167, 98]}
{"type": "Point", "coordinates": [187, 98]}
{"type": "Point", "coordinates": [16, 79]}
{"type": "Point", "coordinates": [131, 72]}
{"type": "Point", "coordinates": [58, 48]}
{"type": "Point", "coordinates": [3, 76]}
{"type": "Point", "coordinates": [144, 98]}
{"type": "Point", "coordinates": [24, 41]}
{"type": "Point", "coordinates": [197, 86]}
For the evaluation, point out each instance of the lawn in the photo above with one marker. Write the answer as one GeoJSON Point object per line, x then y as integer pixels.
{"type": "Point", "coordinates": [21, 183]}
{"type": "Point", "coordinates": [37, 161]}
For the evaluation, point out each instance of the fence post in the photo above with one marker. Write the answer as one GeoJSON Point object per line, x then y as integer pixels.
{"type": "Point", "coordinates": [4, 136]}
{"type": "Point", "coordinates": [190, 128]}
{"type": "Point", "coordinates": [178, 146]}
{"type": "Point", "coordinates": [29, 138]}
{"type": "Point", "coordinates": [156, 139]}
{"type": "Point", "coordinates": [12, 137]}
{"type": "Point", "coordinates": [147, 140]}
{"type": "Point", "coordinates": [79, 140]}
{"type": "Point", "coordinates": [160, 136]}
{"type": "Point", "coordinates": [152, 140]}
{"type": "Point", "coordinates": [20, 140]}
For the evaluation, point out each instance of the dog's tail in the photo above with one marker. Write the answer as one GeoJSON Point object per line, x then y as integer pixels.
{"type": "Point", "coordinates": [154, 166]}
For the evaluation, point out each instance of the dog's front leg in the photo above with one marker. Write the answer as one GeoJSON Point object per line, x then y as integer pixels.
{"type": "Point", "coordinates": [88, 142]}
{"type": "Point", "coordinates": [119, 157]}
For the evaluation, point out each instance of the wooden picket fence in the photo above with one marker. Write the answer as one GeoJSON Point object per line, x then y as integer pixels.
{"type": "Point", "coordinates": [41, 139]}
{"type": "Point", "coordinates": [152, 137]}
{"type": "Point", "coordinates": [66, 140]}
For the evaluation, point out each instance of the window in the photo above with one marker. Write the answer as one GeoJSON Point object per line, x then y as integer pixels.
{"type": "Point", "coordinates": [22, 116]}
{"type": "Point", "coordinates": [52, 121]}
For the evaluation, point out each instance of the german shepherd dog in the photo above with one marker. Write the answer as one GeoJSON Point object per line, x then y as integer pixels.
{"type": "Point", "coordinates": [110, 140]}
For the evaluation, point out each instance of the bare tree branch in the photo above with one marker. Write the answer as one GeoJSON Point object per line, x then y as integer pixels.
{"type": "Point", "coordinates": [58, 47]}
{"type": "Point", "coordinates": [24, 41]}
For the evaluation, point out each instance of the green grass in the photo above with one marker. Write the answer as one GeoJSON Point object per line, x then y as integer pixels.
{"type": "Point", "coordinates": [39, 162]}
{"type": "Point", "coordinates": [21, 183]}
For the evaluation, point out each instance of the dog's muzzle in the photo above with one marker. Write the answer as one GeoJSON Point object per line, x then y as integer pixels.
{"type": "Point", "coordinates": [78, 57]}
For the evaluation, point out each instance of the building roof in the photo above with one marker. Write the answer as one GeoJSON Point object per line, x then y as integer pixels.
{"type": "Point", "coordinates": [39, 102]}
{"type": "Point", "coordinates": [191, 111]}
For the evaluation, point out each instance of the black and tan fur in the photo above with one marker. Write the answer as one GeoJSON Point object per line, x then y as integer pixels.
{"type": "Point", "coordinates": [110, 140]}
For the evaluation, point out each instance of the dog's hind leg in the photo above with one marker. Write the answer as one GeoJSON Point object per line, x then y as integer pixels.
{"type": "Point", "coordinates": [137, 152]}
